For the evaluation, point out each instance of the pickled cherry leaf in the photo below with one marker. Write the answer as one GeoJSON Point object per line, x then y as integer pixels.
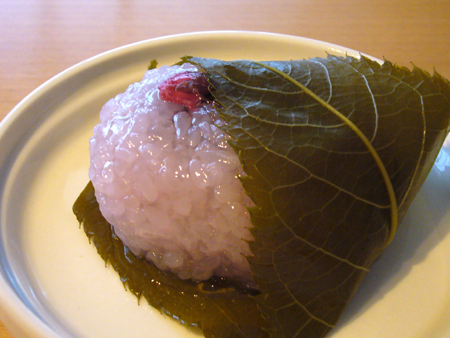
{"type": "Point", "coordinates": [334, 149]}
{"type": "Point", "coordinates": [220, 309]}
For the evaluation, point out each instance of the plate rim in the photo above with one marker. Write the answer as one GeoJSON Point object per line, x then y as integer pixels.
{"type": "Point", "coordinates": [115, 52]}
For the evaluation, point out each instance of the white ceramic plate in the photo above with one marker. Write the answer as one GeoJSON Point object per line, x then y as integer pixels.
{"type": "Point", "coordinates": [53, 283]}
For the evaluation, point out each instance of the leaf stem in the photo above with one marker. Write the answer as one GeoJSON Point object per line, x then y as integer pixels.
{"type": "Point", "coordinates": [367, 143]}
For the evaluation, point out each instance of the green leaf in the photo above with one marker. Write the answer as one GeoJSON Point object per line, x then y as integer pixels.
{"type": "Point", "coordinates": [335, 150]}
{"type": "Point", "coordinates": [220, 309]}
{"type": "Point", "coordinates": [152, 65]}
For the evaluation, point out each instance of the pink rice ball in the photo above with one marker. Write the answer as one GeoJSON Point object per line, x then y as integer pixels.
{"type": "Point", "coordinates": [166, 178]}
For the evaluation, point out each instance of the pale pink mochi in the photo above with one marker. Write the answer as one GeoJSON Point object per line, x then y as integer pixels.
{"type": "Point", "coordinates": [167, 180]}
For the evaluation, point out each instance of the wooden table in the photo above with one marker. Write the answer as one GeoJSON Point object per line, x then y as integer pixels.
{"type": "Point", "coordinates": [39, 39]}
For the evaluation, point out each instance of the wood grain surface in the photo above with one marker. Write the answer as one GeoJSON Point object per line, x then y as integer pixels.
{"type": "Point", "coordinates": [39, 39]}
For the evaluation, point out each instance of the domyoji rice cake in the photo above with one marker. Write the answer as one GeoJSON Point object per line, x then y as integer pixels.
{"type": "Point", "coordinates": [334, 151]}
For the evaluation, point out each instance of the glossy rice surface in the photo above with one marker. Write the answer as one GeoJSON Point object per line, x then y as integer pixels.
{"type": "Point", "coordinates": [167, 179]}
